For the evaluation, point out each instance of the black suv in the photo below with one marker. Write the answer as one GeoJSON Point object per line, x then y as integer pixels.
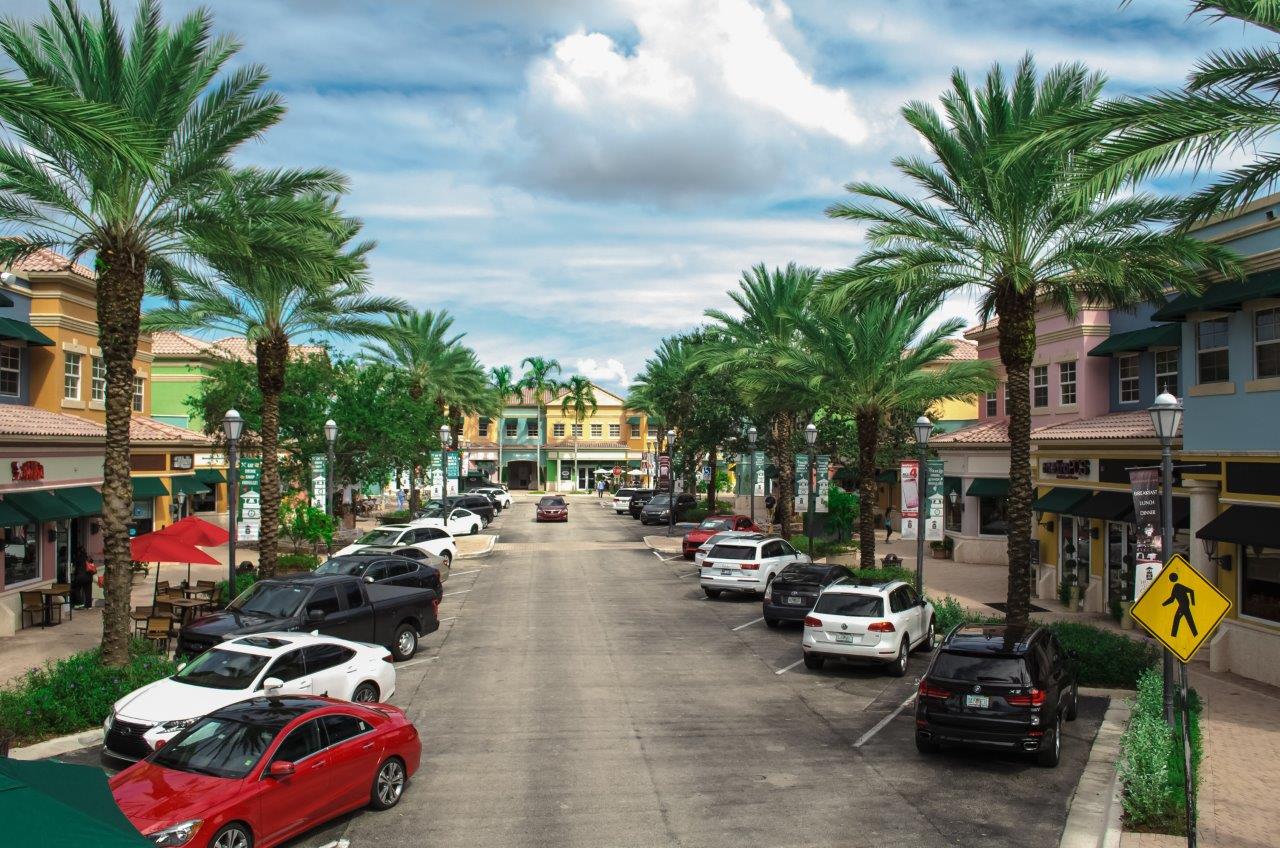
{"type": "Point", "coordinates": [1000, 687]}
{"type": "Point", "coordinates": [481, 505]}
{"type": "Point", "coordinates": [656, 512]}
{"type": "Point", "coordinates": [638, 500]}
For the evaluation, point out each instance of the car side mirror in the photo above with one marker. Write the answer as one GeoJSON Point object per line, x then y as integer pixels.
{"type": "Point", "coordinates": [368, 579]}
{"type": "Point", "coordinates": [315, 614]}
{"type": "Point", "coordinates": [272, 685]}
{"type": "Point", "coordinates": [181, 666]}
{"type": "Point", "coordinates": [921, 602]}
{"type": "Point", "coordinates": [279, 769]}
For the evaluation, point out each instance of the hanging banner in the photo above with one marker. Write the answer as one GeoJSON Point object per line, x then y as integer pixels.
{"type": "Point", "coordinates": [664, 470]}
{"type": "Point", "coordinates": [935, 500]}
{"type": "Point", "coordinates": [909, 508]}
{"type": "Point", "coordinates": [249, 511]}
{"type": "Point", "coordinates": [824, 482]}
{"type": "Point", "coordinates": [319, 480]}
{"type": "Point", "coordinates": [759, 469]}
{"type": "Point", "coordinates": [1148, 556]}
{"type": "Point", "coordinates": [802, 483]}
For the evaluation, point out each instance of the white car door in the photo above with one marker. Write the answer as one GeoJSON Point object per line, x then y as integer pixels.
{"type": "Point", "coordinates": [905, 614]}
{"type": "Point", "coordinates": [331, 669]}
{"type": "Point", "coordinates": [291, 669]}
{"type": "Point", "coordinates": [462, 521]}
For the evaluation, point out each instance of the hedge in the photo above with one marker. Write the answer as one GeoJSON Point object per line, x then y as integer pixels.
{"type": "Point", "coordinates": [1151, 761]}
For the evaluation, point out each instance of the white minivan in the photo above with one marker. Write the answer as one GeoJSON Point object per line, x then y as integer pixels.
{"type": "Point", "coordinates": [746, 564]}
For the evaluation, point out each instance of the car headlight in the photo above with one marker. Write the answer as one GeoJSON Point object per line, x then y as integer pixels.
{"type": "Point", "coordinates": [110, 720]}
{"type": "Point", "coordinates": [179, 834]}
{"type": "Point", "coordinates": [177, 724]}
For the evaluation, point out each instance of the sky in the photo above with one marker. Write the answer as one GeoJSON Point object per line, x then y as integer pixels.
{"type": "Point", "coordinates": [576, 179]}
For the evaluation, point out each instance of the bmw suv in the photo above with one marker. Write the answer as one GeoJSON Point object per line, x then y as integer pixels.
{"type": "Point", "coordinates": [1001, 687]}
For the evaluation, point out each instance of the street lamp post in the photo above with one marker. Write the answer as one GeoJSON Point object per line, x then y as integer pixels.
{"type": "Point", "coordinates": [671, 480]}
{"type": "Point", "coordinates": [330, 436]}
{"type": "Point", "coordinates": [751, 489]}
{"type": "Point", "coordinates": [1166, 416]}
{"type": "Point", "coordinates": [444, 452]}
{"type": "Point", "coordinates": [811, 437]}
{"type": "Point", "coordinates": [923, 428]}
{"type": "Point", "coordinates": [232, 427]}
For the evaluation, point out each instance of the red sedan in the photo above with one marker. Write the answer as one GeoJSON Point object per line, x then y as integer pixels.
{"type": "Point", "coordinates": [261, 771]}
{"type": "Point", "coordinates": [712, 525]}
{"type": "Point", "coordinates": [552, 508]}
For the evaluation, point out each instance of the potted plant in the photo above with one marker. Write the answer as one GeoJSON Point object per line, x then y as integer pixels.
{"type": "Point", "coordinates": [1069, 590]}
{"type": "Point", "coordinates": [1126, 591]}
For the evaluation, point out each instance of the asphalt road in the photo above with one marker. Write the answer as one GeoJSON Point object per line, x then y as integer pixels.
{"type": "Point", "coordinates": [582, 692]}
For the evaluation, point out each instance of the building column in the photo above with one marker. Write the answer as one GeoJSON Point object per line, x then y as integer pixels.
{"type": "Point", "coordinates": [1204, 508]}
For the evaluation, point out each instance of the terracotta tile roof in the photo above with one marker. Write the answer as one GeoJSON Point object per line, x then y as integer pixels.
{"type": "Point", "coordinates": [964, 351]}
{"type": "Point", "coordinates": [17, 420]}
{"type": "Point", "coordinates": [142, 429]}
{"type": "Point", "coordinates": [1113, 425]}
{"type": "Point", "coordinates": [47, 261]}
{"type": "Point", "coordinates": [239, 348]}
{"type": "Point", "coordinates": [179, 344]}
{"type": "Point", "coordinates": [992, 432]}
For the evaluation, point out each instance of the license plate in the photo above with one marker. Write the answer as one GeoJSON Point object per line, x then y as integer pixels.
{"type": "Point", "coordinates": [845, 638]}
{"type": "Point", "coordinates": [979, 701]}
{"type": "Point", "coordinates": [795, 601]}
{"type": "Point", "coordinates": [725, 572]}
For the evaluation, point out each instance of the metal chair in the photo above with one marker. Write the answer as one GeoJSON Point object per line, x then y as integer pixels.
{"type": "Point", "coordinates": [32, 605]}
{"type": "Point", "coordinates": [159, 629]}
{"type": "Point", "coordinates": [64, 598]}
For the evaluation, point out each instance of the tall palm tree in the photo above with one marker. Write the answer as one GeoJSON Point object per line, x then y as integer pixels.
{"type": "Point", "coordinates": [744, 348]}
{"type": "Point", "coordinates": [94, 124]}
{"type": "Point", "coordinates": [872, 358]}
{"type": "Point", "coordinates": [503, 385]}
{"type": "Point", "coordinates": [271, 300]}
{"type": "Point", "coordinates": [71, 195]}
{"type": "Point", "coordinates": [1014, 229]}
{"type": "Point", "coordinates": [580, 395]}
{"type": "Point", "coordinates": [538, 380]}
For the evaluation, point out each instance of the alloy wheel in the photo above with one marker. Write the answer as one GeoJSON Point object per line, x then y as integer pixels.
{"type": "Point", "coordinates": [390, 782]}
{"type": "Point", "coordinates": [232, 837]}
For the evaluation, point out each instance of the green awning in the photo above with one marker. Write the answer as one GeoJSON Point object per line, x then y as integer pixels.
{"type": "Point", "coordinates": [1059, 499]}
{"type": "Point", "coordinates": [210, 476]}
{"type": "Point", "coordinates": [10, 517]}
{"type": "Point", "coordinates": [86, 500]}
{"type": "Point", "coordinates": [887, 477]}
{"type": "Point", "coordinates": [11, 329]}
{"type": "Point", "coordinates": [989, 487]}
{"type": "Point", "coordinates": [187, 484]}
{"type": "Point", "coordinates": [1220, 296]}
{"type": "Point", "coordinates": [1165, 335]}
{"type": "Point", "coordinates": [148, 487]}
{"type": "Point", "coordinates": [635, 419]}
{"type": "Point", "coordinates": [41, 506]}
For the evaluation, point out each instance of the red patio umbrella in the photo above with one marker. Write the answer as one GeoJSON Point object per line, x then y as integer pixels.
{"type": "Point", "coordinates": [157, 547]}
{"type": "Point", "coordinates": [196, 531]}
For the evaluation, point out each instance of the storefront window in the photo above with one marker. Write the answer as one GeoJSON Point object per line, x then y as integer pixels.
{"type": "Point", "coordinates": [21, 553]}
{"type": "Point", "coordinates": [1260, 582]}
{"type": "Point", "coordinates": [142, 517]}
{"type": "Point", "coordinates": [954, 504]}
{"type": "Point", "coordinates": [993, 516]}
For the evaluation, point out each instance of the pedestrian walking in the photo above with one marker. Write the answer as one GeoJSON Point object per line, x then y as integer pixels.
{"type": "Point", "coordinates": [82, 570]}
{"type": "Point", "coordinates": [600, 489]}
{"type": "Point", "coordinates": [888, 523]}
{"type": "Point", "coordinates": [400, 498]}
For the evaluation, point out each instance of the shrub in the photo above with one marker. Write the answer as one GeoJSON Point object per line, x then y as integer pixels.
{"type": "Point", "coordinates": [822, 547]}
{"type": "Point", "coordinates": [74, 694]}
{"type": "Point", "coordinates": [397, 516]}
{"type": "Point", "coordinates": [1105, 658]}
{"type": "Point", "coordinates": [304, 523]}
{"type": "Point", "coordinates": [842, 509]}
{"type": "Point", "coordinates": [244, 580]}
{"type": "Point", "coordinates": [296, 562]}
{"type": "Point", "coordinates": [1151, 761]}
{"type": "Point", "coordinates": [885, 573]}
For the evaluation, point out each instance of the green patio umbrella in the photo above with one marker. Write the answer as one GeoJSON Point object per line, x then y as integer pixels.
{"type": "Point", "coordinates": [60, 805]}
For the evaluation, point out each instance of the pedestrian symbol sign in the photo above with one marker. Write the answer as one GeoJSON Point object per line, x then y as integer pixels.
{"type": "Point", "coordinates": [1181, 609]}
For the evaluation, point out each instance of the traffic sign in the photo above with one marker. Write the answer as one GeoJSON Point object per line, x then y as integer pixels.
{"type": "Point", "coordinates": [1181, 609]}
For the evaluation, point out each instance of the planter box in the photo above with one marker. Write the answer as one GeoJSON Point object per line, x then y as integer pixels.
{"type": "Point", "coordinates": [849, 558]}
{"type": "Point", "coordinates": [943, 554]}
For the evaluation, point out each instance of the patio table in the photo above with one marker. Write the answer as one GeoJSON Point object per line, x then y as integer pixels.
{"type": "Point", "coordinates": [48, 595]}
{"type": "Point", "coordinates": [187, 607]}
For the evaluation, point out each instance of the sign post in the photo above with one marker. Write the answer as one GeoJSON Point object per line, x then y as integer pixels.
{"type": "Point", "coordinates": [249, 521]}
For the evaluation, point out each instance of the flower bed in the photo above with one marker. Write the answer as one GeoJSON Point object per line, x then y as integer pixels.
{"type": "Point", "coordinates": [1151, 761]}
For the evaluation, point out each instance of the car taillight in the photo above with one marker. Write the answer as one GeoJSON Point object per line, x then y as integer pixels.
{"type": "Point", "coordinates": [750, 566]}
{"type": "Point", "coordinates": [768, 593]}
{"type": "Point", "coordinates": [1034, 698]}
{"type": "Point", "coordinates": [387, 658]}
{"type": "Point", "coordinates": [812, 621]}
{"type": "Point", "coordinates": [928, 691]}
{"type": "Point", "coordinates": [880, 627]}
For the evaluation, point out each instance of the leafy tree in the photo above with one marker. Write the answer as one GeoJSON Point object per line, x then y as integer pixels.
{"type": "Point", "coordinates": [538, 380]}
{"type": "Point", "coordinates": [504, 387]}
{"type": "Point", "coordinates": [580, 396]}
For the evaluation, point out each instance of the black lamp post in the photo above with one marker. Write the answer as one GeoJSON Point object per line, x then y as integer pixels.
{"type": "Point", "coordinates": [330, 436]}
{"type": "Point", "coordinates": [923, 428]}
{"type": "Point", "coordinates": [751, 489]}
{"type": "Point", "coordinates": [232, 427]}
{"type": "Point", "coordinates": [671, 480]}
{"type": "Point", "coordinates": [1166, 416]}
{"type": "Point", "coordinates": [444, 452]}
{"type": "Point", "coordinates": [811, 437]}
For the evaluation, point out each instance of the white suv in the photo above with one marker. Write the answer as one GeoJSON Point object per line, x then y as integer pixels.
{"type": "Point", "coordinates": [622, 499]}
{"type": "Point", "coordinates": [880, 622]}
{"type": "Point", "coordinates": [746, 564]}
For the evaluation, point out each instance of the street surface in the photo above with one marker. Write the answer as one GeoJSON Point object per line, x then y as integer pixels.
{"type": "Point", "coordinates": [582, 692]}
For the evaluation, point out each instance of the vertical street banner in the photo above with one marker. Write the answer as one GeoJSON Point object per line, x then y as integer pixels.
{"type": "Point", "coordinates": [934, 499]}
{"type": "Point", "coordinates": [319, 480]}
{"type": "Point", "coordinates": [802, 483]}
{"type": "Point", "coordinates": [664, 471]}
{"type": "Point", "coordinates": [759, 468]}
{"type": "Point", "coordinates": [1148, 556]}
{"type": "Point", "coordinates": [249, 511]}
{"type": "Point", "coordinates": [824, 483]}
{"type": "Point", "coordinates": [909, 509]}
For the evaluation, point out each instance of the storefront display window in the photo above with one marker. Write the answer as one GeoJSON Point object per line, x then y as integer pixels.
{"type": "Point", "coordinates": [954, 504]}
{"type": "Point", "coordinates": [1260, 582]}
{"type": "Point", "coordinates": [21, 553]}
{"type": "Point", "coordinates": [143, 517]}
{"type": "Point", "coordinates": [993, 516]}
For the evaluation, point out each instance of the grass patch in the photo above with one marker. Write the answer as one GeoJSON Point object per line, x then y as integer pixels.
{"type": "Point", "coordinates": [822, 547]}
{"type": "Point", "coordinates": [1151, 761]}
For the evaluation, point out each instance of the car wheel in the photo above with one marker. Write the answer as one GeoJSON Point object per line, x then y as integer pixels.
{"type": "Point", "coordinates": [712, 593]}
{"type": "Point", "coordinates": [388, 785]}
{"type": "Point", "coordinates": [234, 835]}
{"type": "Point", "coordinates": [1074, 709]}
{"type": "Point", "coordinates": [448, 560]}
{"type": "Point", "coordinates": [406, 642]}
{"type": "Point", "coordinates": [1048, 757]}
{"type": "Point", "coordinates": [771, 622]}
{"type": "Point", "coordinates": [927, 644]}
{"type": "Point", "coordinates": [475, 528]}
{"type": "Point", "coordinates": [899, 667]}
{"type": "Point", "coordinates": [366, 693]}
{"type": "Point", "coordinates": [814, 661]}
{"type": "Point", "coordinates": [926, 746]}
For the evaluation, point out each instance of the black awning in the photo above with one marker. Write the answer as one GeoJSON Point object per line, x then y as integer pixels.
{"type": "Point", "coordinates": [1059, 499]}
{"type": "Point", "coordinates": [1245, 525]}
{"type": "Point", "coordinates": [1109, 506]}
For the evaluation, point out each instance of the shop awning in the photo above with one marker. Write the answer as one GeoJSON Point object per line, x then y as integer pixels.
{"type": "Point", "coordinates": [16, 330]}
{"type": "Point", "coordinates": [1059, 499]}
{"type": "Point", "coordinates": [1108, 506]}
{"type": "Point", "coordinates": [634, 419]}
{"type": "Point", "coordinates": [210, 476]}
{"type": "Point", "coordinates": [41, 506]}
{"type": "Point", "coordinates": [989, 487]}
{"type": "Point", "coordinates": [1165, 335]}
{"type": "Point", "coordinates": [887, 477]}
{"type": "Point", "coordinates": [1245, 525]}
{"type": "Point", "coordinates": [86, 500]}
{"type": "Point", "coordinates": [10, 517]}
{"type": "Point", "coordinates": [187, 484]}
{"type": "Point", "coordinates": [148, 487]}
{"type": "Point", "coordinates": [1220, 296]}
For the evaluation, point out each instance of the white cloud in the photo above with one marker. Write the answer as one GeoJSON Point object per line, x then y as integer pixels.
{"type": "Point", "coordinates": [609, 371]}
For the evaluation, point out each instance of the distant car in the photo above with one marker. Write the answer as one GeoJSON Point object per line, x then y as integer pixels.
{"type": "Point", "coordinates": [258, 773]}
{"type": "Point", "coordinates": [998, 687]}
{"type": "Point", "coordinates": [433, 540]}
{"type": "Point", "coordinates": [385, 568]}
{"type": "Point", "coordinates": [656, 511]}
{"type": "Point", "coordinates": [711, 525]}
{"type": "Point", "coordinates": [866, 621]}
{"type": "Point", "coordinates": [500, 495]}
{"type": "Point", "coordinates": [457, 520]}
{"type": "Point", "coordinates": [551, 508]}
{"type": "Point", "coordinates": [278, 663]}
{"type": "Point", "coordinates": [705, 548]}
{"type": "Point", "coordinates": [481, 504]}
{"type": "Point", "coordinates": [746, 564]}
{"type": "Point", "coordinates": [638, 502]}
{"type": "Point", "coordinates": [795, 590]}
{"type": "Point", "coordinates": [622, 498]}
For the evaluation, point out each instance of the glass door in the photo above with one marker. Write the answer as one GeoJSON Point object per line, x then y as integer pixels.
{"type": "Point", "coordinates": [62, 550]}
{"type": "Point", "coordinates": [1083, 552]}
{"type": "Point", "coordinates": [1120, 551]}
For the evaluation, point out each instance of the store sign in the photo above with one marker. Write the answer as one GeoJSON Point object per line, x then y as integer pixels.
{"type": "Point", "coordinates": [27, 472]}
{"type": "Point", "coordinates": [1068, 469]}
{"type": "Point", "coordinates": [182, 461]}
{"type": "Point", "coordinates": [319, 480]}
{"type": "Point", "coordinates": [1148, 554]}
{"type": "Point", "coordinates": [249, 520]}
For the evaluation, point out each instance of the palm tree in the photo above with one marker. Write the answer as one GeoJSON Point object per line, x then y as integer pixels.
{"type": "Point", "coordinates": [870, 359]}
{"type": "Point", "coordinates": [1012, 228]}
{"type": "Point", "coordinates": [581, 396]}
{"type": "Point", "coordinates": [503, 385]}
{"type": "Point", "coordinates": [95, 125]}
{"type": "Point", "coordinates": [74, 196]}
{"type": "Point", "coordinates": [272, 299]}
{"type": "Point", "coordinates": [538, 380]}
{"type": "Point", "coordinates": [744, 349]}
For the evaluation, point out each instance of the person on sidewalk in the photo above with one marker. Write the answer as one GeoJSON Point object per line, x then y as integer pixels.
{"type": "Point", "coordinates": [888, 523]}
{"type": "Point", "coordinates": [81, 580]}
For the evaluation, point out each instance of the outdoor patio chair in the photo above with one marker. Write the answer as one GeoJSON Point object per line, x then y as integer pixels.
{"type": "Point", "coordinates": [33, 605]}
{"type": "Point", "coordinates": [159, 629]}
{"type": "Point", "coordinates": [64, 598]}
{"type": "Point", "coordinates": [140, 616]}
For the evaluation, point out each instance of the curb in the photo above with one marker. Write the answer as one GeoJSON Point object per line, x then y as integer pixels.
{"type": "Point", "coordinates": [1093, 817]}
{"type": "Point", "coordinates": [60, 745]}
{"type": "Point", "coordinates": [481, 554]}
{"type": "Point", "coordinates": [657, 546]}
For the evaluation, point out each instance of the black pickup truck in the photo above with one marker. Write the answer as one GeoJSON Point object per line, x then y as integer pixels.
{"type": "Point", "coordinates": [334, 604]}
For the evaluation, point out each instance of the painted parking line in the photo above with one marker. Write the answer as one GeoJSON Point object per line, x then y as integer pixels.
{"type": "Point", "coordinates": [412, 663]}
{"type": "Point", "coordinates": [450, 618]}
{"type": "Point", "coordinates": [460, 573]}
{"type": "Point", "coordinates": [748, 624]}
{"type": "Point", "coordinates": [459, 592]}
{"type": "Point", "coordinates": [788, 668]}
{"type": "Point", "coordinates": [882, 723]}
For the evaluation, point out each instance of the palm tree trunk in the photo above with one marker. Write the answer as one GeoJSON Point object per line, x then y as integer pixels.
{"type": "Point", "coordinates": [783, 431]}
{"type": "Point", "coordinates": [413, 489]}
{"type": "Point", "coordinates": [273, 353]}
{"type": "Point", "coordinates": [120, 283]}
{"type": "Point", "coordinates": [711, 484]}
{"type": "Point", "coordinates": [1017, 334]}
{"type": "Point", "coordinates": [868, 426]}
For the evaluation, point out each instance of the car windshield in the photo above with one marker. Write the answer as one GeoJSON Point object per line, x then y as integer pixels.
{"type": "Point", "coordinates": [222, 669]}
{"type": "Point", "coordinates": [379, 537]}
{"type": "Point", "coordinates": [980, 668]}
{"type": "Point", "coordinates": [274, 600]}
{"type": "Point", "coordinates": [660, 500]}
{"type": "Point", "coordinates": [432, 511]}
{"type": "Point", "coordinates": [551, 502]}
{"type": "Point", "coordinates": [805, 572]}
{"type": "Point", "coordinates": [854, 606]}
{"type": "Point", "coordinates": [343, 565]}
{"type": "Point", "coordinates": [732, 552]}
{"type": "Point", "coordinates": [716, 524]}
{"type": "Point", "coordinates": [218, 747]}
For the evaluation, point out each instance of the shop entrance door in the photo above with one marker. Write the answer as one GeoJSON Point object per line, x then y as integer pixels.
{"type": "Point", "coordinates": [586, 477]}
{"type": "Point", "coordinates": [1120, 550]}
{"type": "Point", "coordinates": [1074, 545]}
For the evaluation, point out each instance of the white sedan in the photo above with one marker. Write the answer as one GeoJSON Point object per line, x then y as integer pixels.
{"type": "Point", "coordinates": [460, 522]}
{"type": "Point", "coordinates": [264, 663]}
{"type": "Point", "coordinates": [499, 494]}
{"type": "Point", "coordinates": [434, 540]}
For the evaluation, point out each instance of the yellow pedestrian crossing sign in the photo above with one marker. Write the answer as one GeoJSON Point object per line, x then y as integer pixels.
{"type": "Point", "coordinates": [1180, 608]}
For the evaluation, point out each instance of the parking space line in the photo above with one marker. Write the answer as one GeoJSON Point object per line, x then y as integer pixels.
{"type": "Point", "coordinates": [658, 555]}
{"type": "Point", "coordinates": [460, 573]}
{"type": "Point", "coordinates": [459, 592]}
{"type": "Point", "coordinates": [882, 723]}
{"type": "Point", "coordinates": [412, 663]}
{"type": "Point", "coordinates": [748, 624]}
{"type": "Point", "coordinates": [450, 618]}
{"type": "Point", "coordinates": [788, 668]}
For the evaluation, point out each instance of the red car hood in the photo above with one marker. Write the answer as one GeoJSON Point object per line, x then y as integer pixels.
{"type": "Point", "coordinates": [699, 535]}
{"type": "Point", "coordinates": [153, 797]}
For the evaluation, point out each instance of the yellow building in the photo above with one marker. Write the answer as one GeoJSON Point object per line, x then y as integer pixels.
{"type": "Point", "coordinates": [951, 414]}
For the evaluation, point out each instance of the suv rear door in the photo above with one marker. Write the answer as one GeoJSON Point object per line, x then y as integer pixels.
{"type": "Point", "coordinates": [982, 685]}
{"type": "Point", "coordinates": [727, 559]}
{"type": "Point", "coordinates": [907, 611]}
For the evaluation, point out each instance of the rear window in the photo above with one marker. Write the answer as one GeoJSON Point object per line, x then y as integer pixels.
{"type": "Point", "coordinates": [624, 493]}
{"type": "Point", "coordinates": [980, 668]}
{"type": "Point", "coordinates": [854, 606]}
{"type": "Point", "coordinates": [716, 524]}
{"type": "Point", "coordinates": [805, 571]}
{"type": "Point", "coordinates": [732, 552]}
